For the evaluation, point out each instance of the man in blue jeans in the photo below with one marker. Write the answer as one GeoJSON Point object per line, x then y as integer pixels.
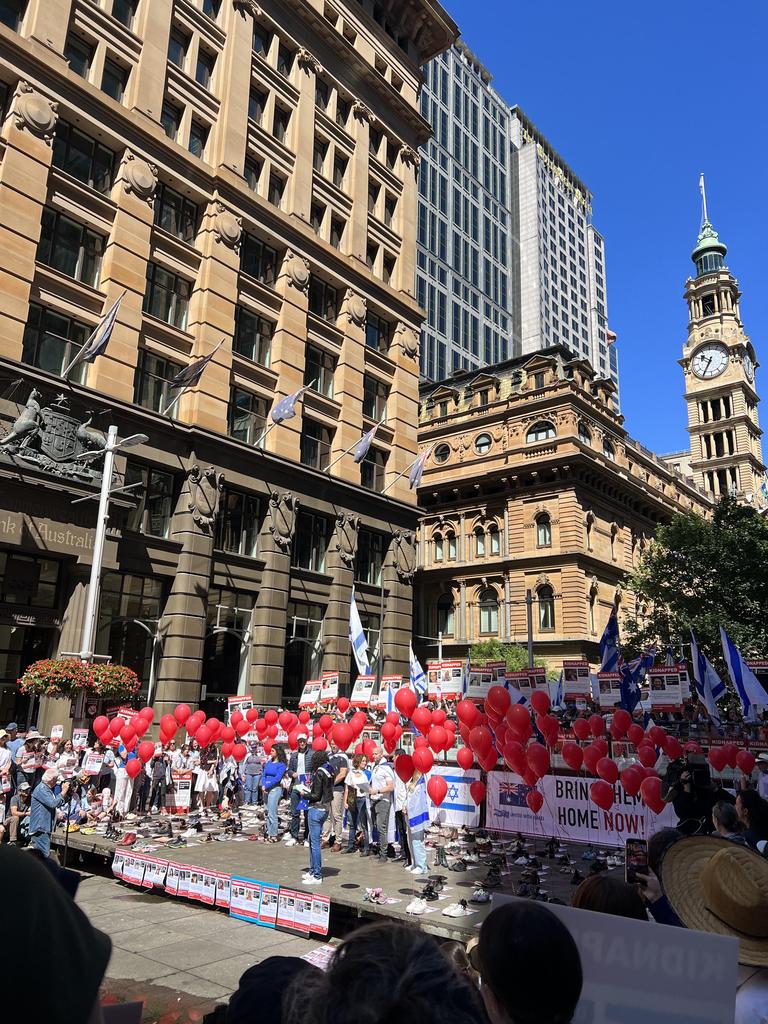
{"type": "Point", "coordinates": [42, 814]}
{"type": "Point", "coordinates": [299, 763]}
{"type": "Point", "coordinates": [319, 799]}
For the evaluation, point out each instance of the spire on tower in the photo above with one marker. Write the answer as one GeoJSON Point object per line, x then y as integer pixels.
{"type": "Point", "coordinates": [703, 190]}
{"type": "Point", "coordinates": [709, 254]}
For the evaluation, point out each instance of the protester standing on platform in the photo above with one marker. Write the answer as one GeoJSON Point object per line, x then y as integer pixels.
{"type": "Point", "coordinates": [300, 763]}
{"type": "Point", "coordinates": [6, 782]}
{"type": "Point", "coordinates": [401, 817]}
{"type": "Point", "coordinates": [42, 815]}
{"type": "Point", "coordinates": [334, 826]}
{"type": "Point", "coordinates": [159, 781]}
{"type": "Point", "coordinates": [319, 798]}
{"type": "Point", "coordinates": [382, 793]}
{"type": "Point", "coordinates": [252, 768]}
{"type": "Point", "coordinates": [357, 789]}
{"type": "Point", "coordinates": [271, 781]}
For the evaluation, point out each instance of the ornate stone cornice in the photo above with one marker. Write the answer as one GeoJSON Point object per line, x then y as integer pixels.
{"type": "Point", "coordinates": [34, 112]}
{"type": "Point", "coordinates": [139, 177]}
{"type": "Point", "coordinates": [309, 61]}
{"type": "Point", "coordinates": [247, 7]}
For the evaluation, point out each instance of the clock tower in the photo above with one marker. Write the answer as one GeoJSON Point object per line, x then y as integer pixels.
{"type": "Point", "coordinates": [719, 365]}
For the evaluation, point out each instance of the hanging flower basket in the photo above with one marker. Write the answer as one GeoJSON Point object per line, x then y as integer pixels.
{"type": "Point", "coordinates": [67, 677]}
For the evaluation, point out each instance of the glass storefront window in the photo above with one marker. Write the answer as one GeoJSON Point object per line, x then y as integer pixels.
{"type": "Point", "coordinates": [303, 647]}
{"type": "Point", "coordinates": [28, 581]}
{"type": "Point", "coordinates": [126, 597]}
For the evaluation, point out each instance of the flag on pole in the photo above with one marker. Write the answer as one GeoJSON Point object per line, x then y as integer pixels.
{"type": "Point", "coordinates": [417, 469]}
{"type": "Point", "coordinates": [418, 679]}
{"type": "Point", "coordinates": [465, 680]}
{"type": "Point", "coordinates": [285, 409]}
{"type": "Point", "coordinates": [514, 693]}
{"type": "Point", "coordinates": [357, 639]}
{"type": "Point", "coordinates": [709, 685]}
{"type": "Point", "coordinates": [746, 682]}
{"type": "Point", "coordinates": [418, 807]}
{"type": "Point", "coordinates": [556, 691]}
{"type": "Point", "coordinates": [191, 374]}
{"type": "Point", "coordinates": [98, 340]}
{"type": "Point", "coordinates": [361, 450]}
{"type": "Point", "coordinates": [632, 675]}
{"type": "Point", "coordinates": [610, 656]}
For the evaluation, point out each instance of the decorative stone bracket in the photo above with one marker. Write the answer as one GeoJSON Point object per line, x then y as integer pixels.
{"type": "Point", "coordinates": [205, 488]}
{"type": "Point", "coordinates": [297, 269]}
{"type": "Point", "coordinates": [34, 112]}
{"type": "Point", "coordinates": [347, 527]}
{"type": "Point", "coordinates": [227, 227]}
{"type": "Point", "coordinates": [139, 177]}
{"type": "Point", "coordinates": [283, 509]}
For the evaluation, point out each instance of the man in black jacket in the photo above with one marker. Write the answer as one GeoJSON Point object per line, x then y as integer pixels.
{"type": "Point", "coordinates": [299, 763]}
{"type": "Point", "coordinates": [319, 798]}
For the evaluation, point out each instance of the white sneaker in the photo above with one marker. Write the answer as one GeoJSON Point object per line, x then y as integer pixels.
{"type": "Point", "coordinates": [312, 881]}
{"type": "Point", "coordinates": [416, 907]}
{"type": "Point", "coordinates": [306, 843]}
{"type": "Point", "coordinates": [291, 841]}
{"type": "Point", "coordinates": [522, 861]}
{"type": "Point", "coordinates": [456, 910]}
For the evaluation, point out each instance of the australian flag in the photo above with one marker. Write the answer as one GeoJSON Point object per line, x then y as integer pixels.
{"type": "Point", "coordinates": [190, 375]}
{"type": "Point", "coordinates": [99, 340]}
{"type": "Point", "coordinates": [364, 444]}
{"type": "Point", "coordinates": [285, 409]}
{"type": "Point", "coordinates": [632, 674]}
{"type": "Point", "coordinates": [513, 794]}
{"type": "Point", "coordinates": [417, 469]}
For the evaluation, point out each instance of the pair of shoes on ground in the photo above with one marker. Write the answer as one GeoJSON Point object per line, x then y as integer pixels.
{"type": "Point", "coordinates": [459, 909]}
{"type": "Point", "coordinates": [307, 879]}
{"type": "Point", "coordinates": [480, 895]}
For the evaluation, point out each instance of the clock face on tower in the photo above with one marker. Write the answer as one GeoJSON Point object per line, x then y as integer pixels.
{"type": "Point", "coordinates": [749, 367]}
{"type": "Point", "coordinates": [710, 360]}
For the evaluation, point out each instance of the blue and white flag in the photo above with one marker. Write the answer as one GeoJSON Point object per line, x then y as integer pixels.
{"type": "Point", "coordinates": [418, 807]}
{"type": "Point", "coordinates": [514, 693]}
{"type": "Point", "coordinates": [358, 639]}
{"type": "Point", "coordinates": [709, 685]}
{"type": "Point", "coordinates": [465, 680]}
{"type": "Point", "coordinates": [191, 374]}
{"type": "Point", "coordinates": [364, 444]}
{"type": "Point", "coordinates": [747, 685]}
{"type": "Point", "coordinates": [417, 469]}
{"type": "Point", "coordinates": [556, 691]}
{"type": "Point", "coordinates": [632, 675]}
{"type": "Point", "coordinates": [610, 655]}
{"type": "Point", "coordinates": [670, 657]}
{"type": "Point", "coordinates": [285, 409]}
{"type": "Point", "coordinates": [418, 678]}
{"type": "Point", "coordinates": [98, 340]}
{"type": "Point", "coordinates": [764, 488]}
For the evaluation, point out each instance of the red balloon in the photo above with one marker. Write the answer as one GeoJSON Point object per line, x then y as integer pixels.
{"type": "Point", "coordinates": [480, 740]}
{"type": "Point", "coordinates": [145, 751]}
{"type": "Point", "coordinates": [465, 758]}
{"type": "Point", "coordinates": [343, 735]}
{"type": "Point", "coordinates": [165, 739]}
{"type": "Point", "coordinates": [343, 704]}
{"type": "Point", "coordinates": [477, 791]}
{"type": "Point", "coordinates": [423, 760]}
{"type": "Point", "coordinates": [106, 738]}
{"type": "Point", "coordinates": [319, 743]}
{"type": "Point", "coordinates": [140, 725]}
{"type": "Point", "coordinates": [241, 728]}
{"type": "Point", "coordinates": [646, 755]}
{"type": "Point", "coordinates": [549, 727]}
{"type": "Point", "coordinates": [621, 722]}
{"type": "Point", "coordinates": [116, 725]}
{"type": "Point", "coordinates": [514, 756]}
{"type": "Point", "coordinates": [369, 748]}
{"type": "Point", "coordinates": [406, 701]}
{"type": "Point", "coordinates": [168, 725]}
{"type": "Point", "coordinates": [274, 729]}
{"type": "Point", "coordinates": [635, 734]}
{"type": "Point", "coordinates": [658, 735]}
{"type": "Point", "coordinates": [404, 767]}
{"type": "Point", "coordinates": [601, 793]}
{"type": "Point", "coordinates": [133, 768]}
{"type": "Point", "coordinates": [535, 801]}
{"type": "Point", "coordinates": [285, 719]}
{"type": "Point", "coordinates": [488, 760]}
{"type": "Point", "coordinates": [181, 713]}
{"type": "Point", "coordinates": [448, 724]}
{"type": "Point", "coordinates": [147, 713]}
{"type": "Point", "coordinates": [692, 747]}
{"type": "Point", "coordinates": [228, 734]}
{"type": "Point", "coordinates": [439, 717]}
{"type": "Point", "coordinates": [270, 716]}
{"type": "Point", "coordinates": [227, 748]}
{"type": "Point", "coordinates": [129, 744]}
{"type": "Point", "coordinates": [498, 700]}
{"type": "Point", "coordinates": [420, 742]}
{"type": "Point", "coordinates": [437, 788]}
{"type": "Point", "coordinates": [235, 717]}
{"type": "Point", "coordinates": [127, 732]}
{"type": "Point", "coordinates": [100, 724]}
{"type": "Point", "coordinates": [573, 755]}
{"type": "Point", "coordinates": [650, 794]}
{"type": "Point", "coordinates": [717, 758]}
{"type": "Point", "coordinates": [602, 746]}
{"type": "Point", "coordinates": [389, 745]}
{"type": "Point", "coordinates": [203, 736]}
{"type": "Point", "coordinates": [422, 719]}
{"type": "Point", "coordinates": [592, 755]}
{"type": "Point", "coordinates": [325, 723]}
{"type": "Point", "coordinates": [393, 717]}
{"type": "Point", "coordinates": [261, 726]}
{"type": "Point", "coordinates": [358, 720]}
{"type": "Point", "coordinates": [359, 749]}
{"type": "Point", "coordinates": [192, 726]}
{"type": "Point", "coordinates": [437, 737]}
{"type": "Point", "coordinates": [581, 729]}
{"type": "Point", "coordinates": [529, 778]}
{"type": "Point", "coordinates": [239, 752]}
{"type": "Point", "coordinates": [731, 752]}
{"type": "Point", "coordinates": [607, 770]}
{"type": "Point", "coordinates": [673, 748]}
{"type": "Point", "coordinates": [745, 760]}
{"type": "Point", "coordinates": [540, 702]}
{"type": "Point", "coordinates": [538, 759]}
{"type": "Point", "coordinates": [293, 740]}
{"type": "Point", "coordinates": [252, 714]}
{"type": "Point", "coordinates": [387, 731]}
{"type": "Point", "coordinates": [631, 780]}
{"type": "Point", "coordinates": [268, 745]}
{"type": "Point", "coordinates": [596, 725]}
{"type": "Point", "coordinates": [519, 718]}
{"type": "Point", "coordinates": [467, 712]}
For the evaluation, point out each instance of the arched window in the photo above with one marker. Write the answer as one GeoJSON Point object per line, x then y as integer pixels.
{"type": "Point", "coordinates": [546, 608]}
{"type": "Point", "coordinates": [445, 615]}
{"type": "Point", "coordinates": [479, 543]}
{"type": "Point", "coordinates": [493, 534]}
{"type": "Point", "coordinates": [543, 530]}
{"type": "Point", "coordinates": [541, 431]}
{"type": "Point", "coordinates": [608, 451]}
{"type": "Point", "coordinates": [451, 538]}
{"type": "Point", "coordinates": [439, 554]}
{"type": "Point", "coordinates": [489, 612]}
{"type": "Point", "coordinates": [584, 435]}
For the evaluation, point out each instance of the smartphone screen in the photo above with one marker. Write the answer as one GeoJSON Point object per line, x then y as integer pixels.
{"type": "Point", "coordinates": [636, 859]}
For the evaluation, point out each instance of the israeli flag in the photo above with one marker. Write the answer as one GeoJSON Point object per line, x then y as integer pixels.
{"type": "Point", "coordinates": [750, 691]}
{"type": "Point", "coordinates": [709, 685]}
{"type": "Point", "coordinates": [418, 807]}
{"type": "Point", "coordinates": [514, 693]}
{"type": "Point", "coordinates": [610, 656]}
{"type": "Point", "coordinates": [556, 691]}
{"type": "Point", "coordinates": [418, 679]}
{"type": "Point", "coordinates": [357, 639]}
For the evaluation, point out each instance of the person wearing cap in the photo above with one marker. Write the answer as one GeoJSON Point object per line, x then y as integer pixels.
{"type": "Point", "coordinates": [299, 763]}
{"type": "Point", "coordinates": [29, 759]}
{"type": "Point", "coordinates": [14, 743]}
{"type": "Point", "coordinates": [17, 822]}
{"type": "Point", "coordinates": [42, 815]}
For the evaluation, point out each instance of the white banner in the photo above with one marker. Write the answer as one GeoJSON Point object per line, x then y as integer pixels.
{"type": "Point", "coordinates": [310, 695]}
{"type": "Point", "coordinates": [568, 813]}
{"type": "Point", "coordinates": [458, 808]}
{"type": "Point", "coordinates": [362, 691]}
{"type": "Point", "coordinates": [483, 677]}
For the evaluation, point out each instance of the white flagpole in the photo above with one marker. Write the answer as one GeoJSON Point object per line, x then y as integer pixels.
{"type": "Point", "coordinates": [347, 452]}
{"type": "Point", "coordinates": [65, 373]}
{"type": "Point", "coordinates": [406, 470]}
{"type": "Point", "coordinates": [270, 426]}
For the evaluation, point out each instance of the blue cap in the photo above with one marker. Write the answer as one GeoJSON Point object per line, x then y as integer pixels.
{"type": "Point", "coordinates": [12, 725]}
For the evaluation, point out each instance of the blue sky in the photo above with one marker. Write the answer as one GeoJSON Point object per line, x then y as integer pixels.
{"type": "Point", "coordinates": [639, 99]}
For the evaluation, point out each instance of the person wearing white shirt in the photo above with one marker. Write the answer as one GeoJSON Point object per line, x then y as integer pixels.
{"type": "Point", "coordinates": [382, 793]}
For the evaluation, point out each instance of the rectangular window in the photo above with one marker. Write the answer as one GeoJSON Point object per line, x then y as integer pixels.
{"type": "Point", "coordinates": [374, 189]}
{"type": "Point", "coordinates": [322, 94]}
{"type": "Point", "coordinates": [323, 299]}
{"type": "Point", "coordinates": [70, 248]}
{"type": "Point", "coordinates": [284, 60]}
{"type": "Point", "coordinates": [261, 40]}
{"type": "Point", "coordinates": [253, 336]}
{"type": "Point", "coordinates": [211, 8]}
{"type": "Point", "coordinates": [198, 139]}
{"type": "Point", "coordinates": [257, 102]}
{"type": "Point", "coordinates": [253, 169]}
{"type": "Point", "coordinates": [319, 154]}
{"type": "Point", "coordinates": [28, 581]}
{"type": "Point", "coordinates": [124, 11]}
{"type": "Point", "coordinates": [375, 395]}
{"type": "Point", "coordinates": [373, 470]}
{"type": "Point", "coordinates": [170, 119]}
{"type": "Point", "coordinates": [175, 213]}
{"type": "Point", "coordinates": [177, 48]}
{"type": "Point", "coordinates": [83, 157]}
{"type": "Point", "coordinates": [310, 542]}
{"type": "Point", "coordinates": [258, 259]}
{"type": "Point", "coordinates": [337, 231]}
{"type": "Point", "coordinates": [204, 70]}
{"type": "Point", "coordinates": [237, 528]}
{"type": "Point", "coordinates": [153, 375]}
{"type": "Point", "coordinates": [319, 368]}
{"type": "Point", "coordinates": [114, 80]}
{"type": "Point", "coordinates": [342, 112]}
{"type": "Point", "coordinates": [154, 499]}
{"type": "Point", "coordinates": [280, 124]}
{"type": "Point", "coordinates": [370, 557]}
{"type": "Point", "coordinates": [276, 190]}
{"type": "Point", "coordinates": [167, 296]}
{"type": "Point", "coordinates": [315, 444]}
{"type": "Point", "coordinates": [317, 216]}
{"type": "Point", "coordinates": [377, 332]}
{"type": "Point", "coordinates": [246, 416]}
{"type": "Point", "coordinates": [79, 56]}
{"type": "Point", "coordinates": [51, 341]}
{"type": "Point", "coordinates": [11, 13]}
{"type": "Point", "coordinates": [390, 209]}
{"type": "Point", "coordinates": [340, 164]}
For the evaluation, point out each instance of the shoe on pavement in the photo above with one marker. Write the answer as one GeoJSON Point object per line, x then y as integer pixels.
{"type": "Point", "coordinates": [306, 843]}
{"type": "Point", "coordinates": [291, 841]}
{"type": "Point", "coordinates": [416, 907]}
{"type": "Point", "coordinates": [311, 881]}
{"type": "Point", "coordinates": [480, 896]}
{"type": "Point", "coordinates": [456, 909]}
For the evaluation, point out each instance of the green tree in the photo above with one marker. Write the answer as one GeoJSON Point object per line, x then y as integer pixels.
{"type": "Point", "coordinates": [513, 655]}
{"type": "Point", "coordinates": [700, 574]}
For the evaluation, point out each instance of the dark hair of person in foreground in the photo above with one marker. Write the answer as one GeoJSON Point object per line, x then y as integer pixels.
{"type": "Point", "coordinates": [609, 896]}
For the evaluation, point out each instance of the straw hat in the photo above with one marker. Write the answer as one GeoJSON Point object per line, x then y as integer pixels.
{"type": "Point", "coordinates": [715, 885]}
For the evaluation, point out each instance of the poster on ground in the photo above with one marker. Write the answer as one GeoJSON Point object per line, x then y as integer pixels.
{"type": "Point", "coordinates": [302, 919]}
{"type": "Point", "coordinates": [172, 878]}
{"type": "Point", "coordinates": [270, 896]}
{"type": "Point", "coordinates": [483, 677]}
{"type": "Point", "coordinates": [568, 813]}
{"type": "Point", "coordinates": [286, 909]}
{"type": "Point", "coordinates": [321, 913]}
{"type": "Point", "coordinates": [362, 691]}
{"type": "Point", "coordinates": [576, 680]}
{"type": "Point", "coordinates": [118, 864]}
{"type": "Point", "coordinates": [310, 695]}
{"type": "Point", "coordinates": [245, 899]}
{"type": "Point", "coordinates": [223, 889]}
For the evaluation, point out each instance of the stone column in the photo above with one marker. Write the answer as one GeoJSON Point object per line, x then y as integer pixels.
{"type": "Point", "coordinates": [47, 21]}
{"type": "Point", "coordinates": [507, 601]}
{"type": "Point", "coordinates": [183, 622]}
{"type": "Point", "coordinates": [230, 133]}
{"type": "Point", "coordinates": [357, 229]}
{"type": "Point", "coordinates": [464, 626]}
{"type": "Point", "coordinates": [28, 135]}
{"type": "Point", "coordinates": [405, 274]}
{"type": "Point", "coordinates": [269, 615]}
{"type": "Point", "coordinates": [348, 382]}
{"type": "Point", "coordinates": [505, 541]}
{"type": "Point", "coordinates": [462, 539]}
{"type": "Point", "coordinates": [148, 79]}
{"type": "Point", "coordinates": [399, 570]}
{"type": "Point", "coordinates": [299, 197]}
{"type": "Point", "coordinates": [340, 561]}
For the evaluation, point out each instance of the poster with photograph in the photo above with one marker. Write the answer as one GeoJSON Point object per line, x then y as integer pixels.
{"type": "Point", "coordinates": [185, 874]}
{"type": "Point", "coordinates": [362, 691]}
{"type": "Point", "coordinates": [527, 680]}
{"type": "Point", "coordinates": [384, 700]}
{"type": "Point", "coordinates": [118, 864]}
{"type": "Point", "coordinates": [134, 869]}
{"type": "Point", "coordinates": [194, 886]}
{"type": "Point", "coordinates": [57, 732]}
{"type": "Point", "coordinates": [329, 687]}
{"type": "Point", "coordinates": [609, 689]}
{"type": "Point", "coordinates": [286, 909]}
{"type": "Point", "coordinates": [178, 798]}
{"type": "Point", "coordinates": [445, 679]}
{"type": "Point", "coordinates": [270, 897]}
{"type": "Point", "coordinates": [223, 889]}
{"type": "Point", "coordinates": [310, 695]}
{"type": "Point", "coordinates": [238, 703]}
{"type": "Point", "coordinates": [208, 888]}
{"type": "Point", "coordinates": [663, 687]}
{"type": "Point", "coordinates": [92, 763]}
{"type": "Point", "coordinates": [149, 865]}
{"type": "Point", "coordinates": [321, 913]}
{"type": "Point", "coordinates": [483, 677]}
{"type": "Point", "coordinates": [576, 680]}
{"type": "Point", "coordinates": [303, 912]}
{"type": "Point", "coordinates": [172, 878]}
{"type": "Point", "coordinates": [245, 899]}
{"type": "Point", "coordinates": [79, 739]}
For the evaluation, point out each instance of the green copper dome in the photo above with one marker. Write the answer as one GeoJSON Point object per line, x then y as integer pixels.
{"type": "Point", "coordinates": [709, 252]}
